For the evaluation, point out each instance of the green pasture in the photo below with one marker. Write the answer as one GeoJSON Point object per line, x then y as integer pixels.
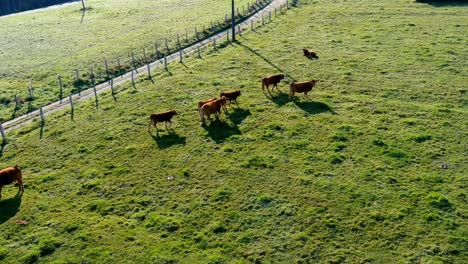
{"type": "Point", "coordinates": [37, 47]}
{"type": "Point", "coordinates": [371, 170]}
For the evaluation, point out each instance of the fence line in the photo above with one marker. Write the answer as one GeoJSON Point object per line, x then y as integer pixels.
{"type": "Point", "coordinates": [119, 79]}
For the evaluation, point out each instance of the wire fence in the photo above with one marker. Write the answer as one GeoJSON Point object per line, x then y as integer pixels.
{"type": "Point", "coordinates": [89, 83]}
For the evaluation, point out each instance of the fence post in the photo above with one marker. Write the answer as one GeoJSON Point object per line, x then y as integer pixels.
{"type": "Point", "coordinates": [212, 26]}
{"type": "Point", "coordinates": [239, 31]}
{"type": "Point", "coordinates": [214, 43]}
{"type": "Point", "coordinates": [198, 51]}
{"type": "Point", "coordinates": [95, 95]}
{"type": "Point", "coordinates": [107, 68]}
{"type": "Point", "coordinates": [165, 63]}
{"type": "Point", "coordinates": [77, 74]}
{"type": "Point", "coordinates": [91, 74]}
{"type": "Point", "coordinates": [71, 105]}
{"type": "Point", "coordinates": [156, 49]}
{"type": "Point", "coordinates": [30, 90]}
{"type": "Point", "coordinates": [112, 86]}
{"type": "Point", "coordinates": [227, 35]}
{"type": "Point", "coordinates": [61, 87]}
{"type": "Point", "coordinates": [251, 25]}
{"type": "Point", "coordinates": [287, 4]}
{"type": "Point", "coordinates": [263, 21]}
{"type": "Point", "coordinates": [118, 63]}
{"type": "Point", "coordinates": [144, 55]}
{"type": "Point", "coordinates": [3, 134]}
{"type": "Point", "coordinates": [149, 70]}
{"type": "Point", "coordinates": [180, 56]}
{"type": "Point", "coordinates": [133, 60]}
{"type": "Point", "coordinates": [133, 79]}
{"type": "Point", "coordinates": [42, 116]}
{"type": "Point", "coordinates": [269, 16]}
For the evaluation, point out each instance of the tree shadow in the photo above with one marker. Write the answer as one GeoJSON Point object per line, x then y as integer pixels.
{"type": "Point", "coordinates": [443, 3]}
{"type": "Point", "coordinates": [220, 130]}
{"type": "Point", "coordinates": [9, 207]}
{"type": "Point", "coordinates": [168, 140]}
{"type": "Point", "coordinates": [314, 108]}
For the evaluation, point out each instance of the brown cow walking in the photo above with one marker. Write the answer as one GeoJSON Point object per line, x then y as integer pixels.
{"type": "Point", "coordinates": [309, 53]}
{"type": "Point", "coordinates": [161, 117]}
{"type": "Point", "coordinates": [10, 175]}
{"type": "Point", "coordinates": [301, 87]}
{"type": "Point", "coordinates": [201, 103]}
{"type": "Point", "coordinates": [231, 96]}
{"type": "Point", "coordinates": [213, 107]}
{"type": "Point", "coordinates": [272, 80]}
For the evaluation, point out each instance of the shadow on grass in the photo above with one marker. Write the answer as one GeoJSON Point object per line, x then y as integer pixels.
{"type": "Point", "coordinates": [220, 130]}
{"type": "Point", "coordinates": [168, 140]}
{"type": "Point", "coordinates": [281, 99]}
{"type": "Point", "coordinates": [237, 115]}
{"type": "Point", "coordinates": [443, 3]}
{"type": "Point", "coordinates": [266, 60]}
{"type": "Point", "coordinates": [314, 108]}
{"type": "Point", "coordinates": [9, 207]}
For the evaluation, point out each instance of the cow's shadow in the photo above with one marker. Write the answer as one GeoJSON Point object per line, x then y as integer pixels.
{"type": "Point", "coordinates": [9, 207]}
{"type": "Point", "coordinates": [312, 57]}
{"type": "Point", "coordinates": [237, 115]}
{"type": "Point", "coordinates": [220, 130]}
{"type": "Point", "coordinates": [167, 140]}
{"type": "Point", "coordinates": [280, 99]}
{"type": "Point", "coordinates": [313, 108]}
{"type": "Point", "coordinates": [442, 3]}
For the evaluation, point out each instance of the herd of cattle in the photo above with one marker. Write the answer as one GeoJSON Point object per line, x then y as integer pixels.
{"type": "Point", "coordinates": [205, 109]}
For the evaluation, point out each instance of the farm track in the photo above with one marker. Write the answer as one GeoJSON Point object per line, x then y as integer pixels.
{"type": "Point", "coordinates": [141, 71]}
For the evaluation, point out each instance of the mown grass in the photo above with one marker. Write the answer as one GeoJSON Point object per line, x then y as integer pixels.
{"type": "Point", "coordinates": [37, 47]}
{"type": "Point", "coordinates": [353, 176]}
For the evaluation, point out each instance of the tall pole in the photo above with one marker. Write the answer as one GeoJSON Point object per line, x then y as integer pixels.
{"type": "Point", "coordinates": [233, 22]}
{"type": "Point", "coordinates": [82, 2]}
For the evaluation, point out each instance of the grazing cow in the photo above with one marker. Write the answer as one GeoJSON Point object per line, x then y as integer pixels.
{"type": "Point", "coordinates": [309, 53]}
{"type": "Point", "coordinates": [272, 80]}
{"type": "Point", "coordinates": [231, 96]}
{"type": "Point", "coordinates": [301, 87]}
{"type": "Point", "coordinates": [201, 103]}
{"type": "Point", "coordinates": [161, 117]}
{"type": "Point", "coordinates": [10, 175]}
{"type": "Point", "coordinates": [213, 107]}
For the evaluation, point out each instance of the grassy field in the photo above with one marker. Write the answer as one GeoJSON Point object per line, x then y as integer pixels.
{"type": "Point", "coordinates": [371, 170]}
{"type": "Point", "coordinates": [39, 46]}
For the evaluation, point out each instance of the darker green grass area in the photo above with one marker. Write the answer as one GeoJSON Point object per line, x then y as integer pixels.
{"type": "Point", "coordinates": [370, 170]}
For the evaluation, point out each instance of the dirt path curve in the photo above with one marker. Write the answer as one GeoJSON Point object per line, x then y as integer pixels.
{"type": "Point", "coordinates": [259, 16]}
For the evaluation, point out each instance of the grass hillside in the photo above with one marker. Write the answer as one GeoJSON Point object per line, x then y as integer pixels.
{"type": "Point", "coordinates": [41, 45]}
{"type": "Point", "coordinates": [371, 170]}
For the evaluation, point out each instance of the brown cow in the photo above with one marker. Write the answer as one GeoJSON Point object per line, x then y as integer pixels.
{"type": "Point", "coordinates": [309, 53]}
{"type": "Point", "coordinates": [10, 175]}
{"type": "Point", "coordinates": [201, 103]}
{"type": "Point", "coordinates": [161, 117]}
{"type": "Point", "coordinates": [301, 87]}
{"type": "Point", "coordinates": [231, 96]}
{"type": "Point", "coordinates": [213, 107]}
{"type": "Point", "coordinates": [272, 80]}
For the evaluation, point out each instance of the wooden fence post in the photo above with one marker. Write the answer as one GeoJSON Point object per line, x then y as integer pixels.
{"type": "Point", "coordinates": [239, 31]}
{"type": "Point", "coordinates": [269, 16]}
{"type": "Point", "coordinates": [165, 63]}
{"type": "Point", "coordinates": [251, 25]}
{"type": "Point", "coordinates": [112, 86]}
{"type": "Point", "coordinates": [107, 68]}
{"type": "Point", "coordinates": [214, 43]}
{"type": "Point", "coordinates": [95, 96]}
{"type": "Point", "coordinates": [149, 70]}
{"type": "Point", "coordinates": [133, 60]}
{"type": "Point", "coordinates": [180, 56]}
{"type": "Point", "coordinates": [77, 74]}
{"type": "Point", "coordinates": [41, 113]}
{"type": "Point", "coordinates": [61, 87]}
{"type": "Point", "coordinates": [227, 35]}
{"type": "Point", "coordinates": [156, 49]}
{"type": "Point", "coordinates": [30, 90]}
{"type": "Point", "coordinates": [3, 134]}
{"type": "Point", "coordinates": [71, 105]}
{"type": "Point", "coordinates": [198, 51]}
{"type": "Point", "coordinates": [263, 21]}
{"type": "Point", "coordinates": [133, 79]}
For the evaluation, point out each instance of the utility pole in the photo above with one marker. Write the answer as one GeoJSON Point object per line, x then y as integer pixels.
{"type": "Point", "coordinates": [84, 7]}
{"type": "Point", "coordinates": [233, 23]}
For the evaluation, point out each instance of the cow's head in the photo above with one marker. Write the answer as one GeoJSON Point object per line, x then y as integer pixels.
{"type": "Point", "coordinates": [173, 112]}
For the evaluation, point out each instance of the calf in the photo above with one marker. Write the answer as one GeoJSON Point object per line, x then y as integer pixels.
{"type": "Point", "coordinates": [10, 175]}
{"type": "Point", "coordinates": [161, 117]}
{"type": "Point", "coordinates": [309, 53]}
{"type": "Point", "coordinates": [213, 107]}
{"type": "Point", "coordinates": [301, 87]}
{"type": "Point", "coordinates": [201, 103]}
{"type": "Point", "coordinates": [231, 96]}
{"type": "Point", "coordinates": [272, 80]}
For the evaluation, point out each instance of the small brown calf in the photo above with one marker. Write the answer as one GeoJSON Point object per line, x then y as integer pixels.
{"type": "Point", "coordinates": [161, 117]}
{"type": "Point", "coordinates": [301, 87]}
{"type": "Point", "coordinates": [272, 80]}
{"type": "Point", "coordinates": [309, 53]}
{"type": "Point", "coordinates": [10, 175]}
{"type": "Point", "coordinates": [213, 107]}
{"type": "Point", "coordinates": [231, 96]}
